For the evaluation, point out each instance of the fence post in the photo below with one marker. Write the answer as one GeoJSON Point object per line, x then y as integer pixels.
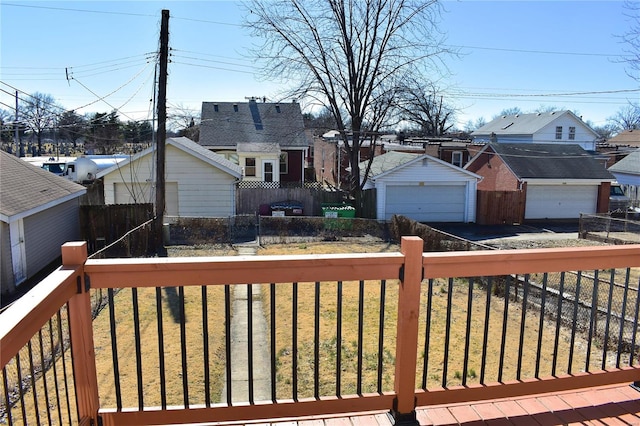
{"type": "Point", "coordinates": [404, 412]}
{"type": "Point", "coordinates": [74, 255]}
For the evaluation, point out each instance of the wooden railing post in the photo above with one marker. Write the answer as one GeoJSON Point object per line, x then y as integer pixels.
{"type": "Point", "coordinates": [404, 412]}
{"type": "Point", "coordinates": [74, 255]}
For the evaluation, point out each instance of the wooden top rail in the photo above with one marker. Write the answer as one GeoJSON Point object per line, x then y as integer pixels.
{"type": "Point", "coordinates": [504, 262]}
{"type": "Point", "coordinates": [160, 272]}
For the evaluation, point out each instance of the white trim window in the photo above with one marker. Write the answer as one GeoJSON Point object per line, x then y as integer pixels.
{"type": "Point", "coordinates": [250, 166]}
{"type": "Point", "coordinates": [456, 158]}
{"type": "Point", "coordinates": [558, 132]}
{"type": "Point", "coordinates": [572, 133]}
{"type": "Point", "coordinates": [284, 163]}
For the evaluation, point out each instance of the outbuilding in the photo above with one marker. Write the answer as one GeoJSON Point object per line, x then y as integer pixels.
{"type": "Point", "coordinates": [421, 187]}
{"type": "Point", "coordinates": [198, 182]}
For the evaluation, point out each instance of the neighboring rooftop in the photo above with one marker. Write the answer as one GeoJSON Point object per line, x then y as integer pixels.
{"type": "Point", "coordinates": [629, 137]}
{"type": "Point", "coordinates": [26, 187]}
{"type": "Point", "coordinates": [629, 164]}
{"type": "Point", "coordinates": [550, 161]}
{"type": "Point", "coordinates": [522, 124]}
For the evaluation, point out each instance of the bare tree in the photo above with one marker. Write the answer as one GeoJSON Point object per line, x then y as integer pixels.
{"type": "Point", "coordinates": [423, 104]}
{"type": "Point", "coordinates": [627, 117]}
{"type": "Point", "coordinates": [348, 55]}
{"type": "Point", "coordinates": [632, 39]}
{"type": "Point", "coordinates": [39, 112]}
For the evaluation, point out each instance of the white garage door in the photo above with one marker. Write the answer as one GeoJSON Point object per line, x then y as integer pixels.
{"type": "Point", "coordinates": [560, 201]}
{"type": "Point", "coordinates": [428, 203]}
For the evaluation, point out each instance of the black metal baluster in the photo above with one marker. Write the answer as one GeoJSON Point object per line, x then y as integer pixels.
{"type": "Point", "coordinates": [635, 326]}
{"type": "Point", "coordinates": [161, 365]}
{"type": "Point", "coordinates": [485, 335]}
{"type": "Point", "coordinates": [543, 305]}
{"type": "Point", "coordinates": [250, 343]}
{"type": "Point", "coordinates": [427, 337]}
{"type": "Point", "coordinates": [272, 299]}
{"type": "Point", "coordinates": [556, 341]}
{"type": "Point", "coordinates": [383, 289]}
{"type": "Point", "coordinates": [205, 346]}
{"type": "Point", "coordinates": [623, 316]}
{"type": "Point", "coordinates": [114, 349]}
{"type": "Point", "coordinates": [7, 400]}
{"type": "Point", "coordinates": [576, 304]}
{"type": "Point", "coordinates": [44, 375]}
{"type": "Point", "coordinates": [507, 295]}
{"type": "Point", "coordinates": [447, 334]}
{"type": "Point", "coordinates": [360, 334]}
{"type": "Point", "coordinates": [136, 336]}
{"type": "Point", "coordinates": [64, 365]}
{"type": "Point", "coordinates": [32, 379]}
{"type": "Point", "coordinates": [183, 347]}
{"type": "Point", "coordinates": [316, 343]}
{"type": "Point", "coordinates": [294, 343]}
{"type": "Point", "coordinates": [467, 340]}
{"type": "Point", "coordinates": [54, 357]}
{"type": "Point", "coordinates": [21, 393]}
{"type": "Point", "coordinates": [593, 319]}
{"type": "Point", "coordinates": [608, 320]}
{"type": "Point", "coordinates": [227, 332]}
{"type": "Point", "coordinates": [339, 339]}
{"type": "Point", "coordinates": [523, 317]}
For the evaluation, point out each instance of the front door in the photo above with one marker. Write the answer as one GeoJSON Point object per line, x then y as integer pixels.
{"type": "Point", "coordinates": [268, 170]}
{"type": "Point", "coordinates": [18, 254]}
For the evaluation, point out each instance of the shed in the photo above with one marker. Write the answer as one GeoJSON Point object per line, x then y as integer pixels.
{"type": "Point", "coordinates": [198, 182]}
{"type": "Point", "coordinates": [560, 181]}
{"type": "Point", "coordinates": [421, 187]}
{"type": "Point", "coordinates": [39, 212]}
{"type": "Point", "coordinates": [627, 173]}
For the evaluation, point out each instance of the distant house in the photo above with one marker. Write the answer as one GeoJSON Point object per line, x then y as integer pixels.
{"type": "Point", "coordinates": [198, 182]}
{"type": "Point", "coordinates": [626, 138]}
{"type": "Point", "coordinates": [627, 173]}
{"type": "Point", "coordinates": [559, 181]}
{"type": "Point", "coordinates": [421, 187]}
{"type": "Point", "coordinates": [559, 127]}
{"type": "Point", "coordinates": [39, 212]}
{"type": "Point", "coordinates": [267, 140]}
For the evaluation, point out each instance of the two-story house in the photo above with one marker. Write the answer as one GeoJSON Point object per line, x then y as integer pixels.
{"type": "Point", "coordinates": [267, 140]}
{"type": "Point", "coordinates": [557, 127]}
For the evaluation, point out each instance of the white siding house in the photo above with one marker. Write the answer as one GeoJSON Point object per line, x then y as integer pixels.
{"type": "Point", "coordinates": [422, 188]}
{"type": "Point", "coordinates": [199, 183]}
{"type": "Point", "coordinates": [39, 212]}
{"type": "Point", "coordinates": [557, 127]}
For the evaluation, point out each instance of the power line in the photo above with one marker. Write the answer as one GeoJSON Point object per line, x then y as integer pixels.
{"type": "Point", "coordinates": [544, 52]}
{"type": "Point", "coordinates": [79, 10]}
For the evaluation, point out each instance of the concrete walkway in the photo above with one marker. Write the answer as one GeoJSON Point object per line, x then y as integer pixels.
{"type": "Point", "coordinates": [240, 343]}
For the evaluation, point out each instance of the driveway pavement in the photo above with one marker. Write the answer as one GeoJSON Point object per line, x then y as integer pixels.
{"type": "Point", "coordinates": [531, 231]}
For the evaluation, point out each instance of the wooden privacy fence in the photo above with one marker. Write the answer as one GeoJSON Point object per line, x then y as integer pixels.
{"type": "Point", "coordinates": [248, 200]}
{"type": "Point", "coordinates": [500, 207]}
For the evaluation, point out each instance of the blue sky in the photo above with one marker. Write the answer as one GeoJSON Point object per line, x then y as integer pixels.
{"type": "Point", "coordinates": [513, 54]}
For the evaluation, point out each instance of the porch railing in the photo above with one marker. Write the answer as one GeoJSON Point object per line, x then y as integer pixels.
{"type": "Point", "coordinates": [338, 333]}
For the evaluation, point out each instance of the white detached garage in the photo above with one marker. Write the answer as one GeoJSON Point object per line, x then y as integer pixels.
{"type": "Point", "coordinates": [198, 182]}
{"type": "Point", "coordinates": [421, 187]}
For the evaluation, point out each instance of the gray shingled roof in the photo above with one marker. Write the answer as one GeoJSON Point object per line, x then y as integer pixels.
{"type": "Point", "coordinates": [25, 187]}
{"type": "Point", "coordinates": [388, 161]}
{"type": "Point", "coordinates": [225, 124]}
{"type": "Point", "coordinates": [186, 145]}
{"type": "Point", "coordinates": [629, 164]}
{"type": "Point", "coordinates": [550, 161]}
{"type": "Point", "coordinates": [519, 124]}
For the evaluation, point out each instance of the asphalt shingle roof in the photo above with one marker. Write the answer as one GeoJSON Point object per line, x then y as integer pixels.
{"type": "Point", "coordinates": [388, 161]}
{"type": "Point", "coordinates": [550, 161]}
{"type": "Point", "coordinates": [225, 124]}
{"type": "Point", "coordinates": [519, 124]}
{"type": "Point", "coordinates": [25, 187]}
{"type": "Point", "coordinates": [629, 164]}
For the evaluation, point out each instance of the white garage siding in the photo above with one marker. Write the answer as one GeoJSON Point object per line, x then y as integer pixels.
{"type": "Point", "coordinates": [431, 202]}
{"type": "Point", "coordinates": [560, 201]}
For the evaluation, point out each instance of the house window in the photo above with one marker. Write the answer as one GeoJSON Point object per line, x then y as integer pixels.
{"type": "Point", "coordinates": [572, 133]}
{"type": "Point", "coordinates": [268, 171]}
{"type": "Point", "coordinates": [284, 163]}
{"type": "Point", "coordinates": [456, 158]}
{"type": "Point", "coordinates": [250, 166]}
{"type": "Point", "coordinates": [558, 132]}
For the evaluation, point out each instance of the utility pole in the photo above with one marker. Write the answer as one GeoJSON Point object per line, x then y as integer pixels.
{"type": "Point", "coordinates": [16, 127]}
{"type": "Point", "coordinates": [162, 132]}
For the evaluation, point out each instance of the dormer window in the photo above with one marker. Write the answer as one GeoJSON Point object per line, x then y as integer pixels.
{"type": "Point", "coordinates": [558, 132]}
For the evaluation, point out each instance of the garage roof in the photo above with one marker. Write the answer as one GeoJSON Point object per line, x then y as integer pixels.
{"type": "Point", "coordinates": [549, 161]}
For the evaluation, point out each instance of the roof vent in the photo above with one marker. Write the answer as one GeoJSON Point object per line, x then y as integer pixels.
{"type": "Point", "coordinates": [553, 112]}
{"type": "Point", "coordinates": [215, 107]}
{"type": "Point", "coordinates": [235, 107]}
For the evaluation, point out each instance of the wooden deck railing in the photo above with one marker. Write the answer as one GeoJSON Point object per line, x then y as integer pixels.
{"type": "Point", "coordinates": [514, 294]}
